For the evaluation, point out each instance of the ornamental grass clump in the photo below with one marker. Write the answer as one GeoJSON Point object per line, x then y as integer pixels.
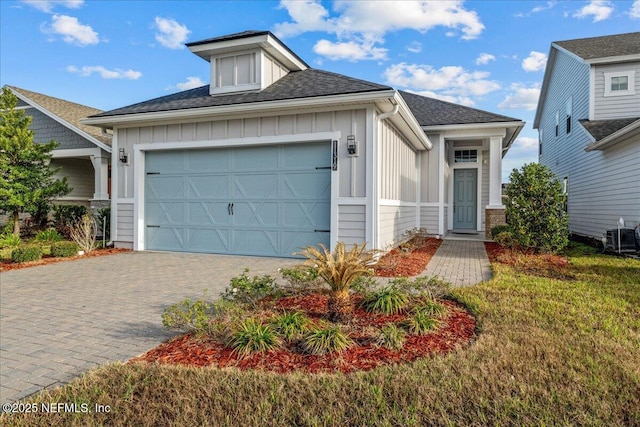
{"type": "Point", "coordinates": [340, 270]}
{"type": "Point", "coordinates": [388, 300]}
{"type": "Point", "coordinates": [252, 336]}
{"type": "Point", "coordinates": [431, 308]}
{"type": "Point", "coordinates": [327, 340]}
{"type": "Point", "coordinates": [420, 323]}
{"type": "Point", "coordinates": [391, 337]}
{"type": "Point", "coordinates": [291, 325]}
{"type": "Point", "coordinates": [48, 236]}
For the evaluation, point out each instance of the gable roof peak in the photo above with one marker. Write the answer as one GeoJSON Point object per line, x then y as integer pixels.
{"type": "Point", "coordinates": [592, 48]}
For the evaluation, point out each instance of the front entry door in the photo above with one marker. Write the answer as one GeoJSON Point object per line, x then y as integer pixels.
{"type": "Point", "coordinates": [465, 199]}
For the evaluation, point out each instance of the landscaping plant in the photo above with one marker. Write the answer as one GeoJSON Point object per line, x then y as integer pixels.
{"type": "Point", "coordinates": [9, 241]}
{"type": "Point", "coordinates": [291, 325]}
{"type": "Point", "coordinates": [388, 300]}
{"type": "Point", "coordinates": [326, 340]}
{"type": "Point", "coordinates": [26, 253]}
{"type": "Point", "coordinates": [250, 291]}
{"type": "Point", "coordinates": [253, 336]}
{"type": "Point", "coordinates": [49, 235]}
{"type": "Point", "coordinates": [535, 209]}
{"type": "Point", "coordinates": [340, 269]}
{"type": "Point", "coordinates": [64, 249]}
{"type": "Point", "coordinates": [84, 232]}
{"type": "Point", "coordinates": [391, 337]}
{"type": "Point", "coordinates": [421, 323]}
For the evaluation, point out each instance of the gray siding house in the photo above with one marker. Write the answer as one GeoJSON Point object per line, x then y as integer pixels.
{"type": "Point", "coordinates": [83, 153]}
{"type": "Point", "coordinates": [273, 156]}
{"type": "Point", "coordinates": [588, 119]}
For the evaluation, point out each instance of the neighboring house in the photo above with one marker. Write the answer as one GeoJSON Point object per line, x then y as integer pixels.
{"type": "Point", "coordinates": [273, 156]}
{"type": "Point", "coordinates": [588, 119]}
{"type": "Point", "coordinates": [83, 153]}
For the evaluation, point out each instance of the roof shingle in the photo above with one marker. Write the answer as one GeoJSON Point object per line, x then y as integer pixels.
{"type": "Point", "coordinates": [601, 129]}
{"type": "Point", "coordinates": [605, 46]}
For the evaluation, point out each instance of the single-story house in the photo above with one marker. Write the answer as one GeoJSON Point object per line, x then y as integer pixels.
{"type": "Point", "coordinates": [273, 156]}
{"type": "Point", "coordinates": [83, 153]}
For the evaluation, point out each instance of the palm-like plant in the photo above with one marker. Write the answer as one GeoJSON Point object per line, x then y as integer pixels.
{"type": "Point", "coordinates": [340, 270]}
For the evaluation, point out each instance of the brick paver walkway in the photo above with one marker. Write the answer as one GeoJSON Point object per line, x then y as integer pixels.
{"type": "Point", "coordinates": [460, 262]}
{"type": "Point", "coordinates": [59, 320]}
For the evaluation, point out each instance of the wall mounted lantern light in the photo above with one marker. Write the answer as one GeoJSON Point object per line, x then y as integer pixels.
{"type": "Point", "coordinates": [123, 156]}
{"type": "Point", "coordinates": [352, 145]}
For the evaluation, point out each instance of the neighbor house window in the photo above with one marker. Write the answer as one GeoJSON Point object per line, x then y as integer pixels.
{"type": "Point", "coordinates": [540, 142]}
{"type": "Point", "coordinates": [465, 156]}
{"type": "Point", "coordinates": [557, 122]}
{"type": "Point", "coordinates": [568, 111]}
{"type": "Point", "coordinates": [619, 83]}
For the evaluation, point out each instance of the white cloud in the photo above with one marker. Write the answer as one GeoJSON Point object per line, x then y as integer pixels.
{"type": "Point", "coordinates": [364, 23]}
{"type": "Point", "coordinates": [48, 5]}
{"type": "Point", "coordinates": [536, 61]}
{"type": "Point", "coordinates": [521, 98]}
{"type": "Point", "coordinates": [117, 73]}
{"type": "Point", "coordinates": [599, 9]}
{"type": "Point", "coordinates": [171, 34]}
{"type": "Point", "coordinates": [416, 47]}
{"type": "Point", "coordinates": [351, 50]}
{"type": "Point", "coordinates": [538, 9]}
{"type": "Point", "coordinates": [451, 83]}
{"type": "Point", "coordinates": [634, 12]}
{"type": "Point", "coordinates": [192, 82]}
{"type": "Point", "coordinates": [485, 58]}
{"type": "Point", "coordinates": [71, 30]}
{"type": "Point", "coordinates": [460, 100]}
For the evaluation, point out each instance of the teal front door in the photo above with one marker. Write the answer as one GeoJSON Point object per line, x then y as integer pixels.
{"type": "Point", "coordinates": [465, 199]}
{"type": "Point", "coordinates": [269, 200]}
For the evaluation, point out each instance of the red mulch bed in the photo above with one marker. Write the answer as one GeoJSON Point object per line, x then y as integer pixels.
{"type": "Point", "coordinates": [545, 265]}
{"type": "Point", "coordinates": [457, 328]}
{"type": "Point", "coordinates": [7, 264]}
{"type": "Point", "coordinates": [398, 263]}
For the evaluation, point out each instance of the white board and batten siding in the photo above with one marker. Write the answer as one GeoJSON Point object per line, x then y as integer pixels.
{"type": "Point", "coordinates": [351, 170]}
{"type": "Point", "coordinates": [398, 186]}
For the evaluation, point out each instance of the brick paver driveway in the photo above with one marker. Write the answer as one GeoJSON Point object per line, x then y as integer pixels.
{"type": "Point", "coordinates": [59, 320]}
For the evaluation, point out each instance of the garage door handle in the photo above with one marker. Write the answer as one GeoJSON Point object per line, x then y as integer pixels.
{"type": "Point", "coordinates": [231, 208]}
{"type": "Point", "coordinates": [322, 231]}
{"type": "Point", "coordinates": [153, 226]}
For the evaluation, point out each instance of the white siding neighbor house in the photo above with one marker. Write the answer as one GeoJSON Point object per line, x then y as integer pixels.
{"type": "Point", "coordinates": [273, 156]}
{"type": "Point", "coordinates": [588, 119]}
{"type": "Point", "coordinates": [83, 152]}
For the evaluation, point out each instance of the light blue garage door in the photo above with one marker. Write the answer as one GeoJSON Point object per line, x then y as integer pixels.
{"type": "Point", "coordinates": [270, 200]}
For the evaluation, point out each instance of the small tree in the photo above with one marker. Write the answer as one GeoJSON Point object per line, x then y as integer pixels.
{"type": "Point", "coordinates": [26, 179]}
{"type": "Point", "coordinates": [535, 209]}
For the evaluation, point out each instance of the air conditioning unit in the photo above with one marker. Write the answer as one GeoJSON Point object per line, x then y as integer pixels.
{"type": "Point", "coordinates": [626, 242]}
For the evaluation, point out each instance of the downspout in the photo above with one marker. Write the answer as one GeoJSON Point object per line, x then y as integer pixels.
{"type": "Point", "coordinates": [376, 181]}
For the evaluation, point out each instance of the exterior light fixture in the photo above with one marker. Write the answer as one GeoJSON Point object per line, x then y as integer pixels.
{"type": "Point", "coordinates": [123, 156]}
{"type": "Point", "coordinates": [352, 145]}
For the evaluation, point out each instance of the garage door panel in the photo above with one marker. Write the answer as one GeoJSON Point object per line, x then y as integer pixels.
{"type": "Point", "coordinates": [255, 213]}
{"type": "Point", "coordinates": [207, 213]}
{"type": "Point", "coordinates": [208, 186]}
{"type": "Point", "coordinates": [255, 185]}
{"type": "Point", "coordinates": [256, 242]}
{"type": "Point", "coordinates": [209, 240]}
{"type": "Point", "coordinates": [314, 185]}
{"type": "Point", "coordinates": [209, 160]}
{"type": "Point", "coordinates": [266, 201]}
{"type": "Point", "coordinates": [159, 213]}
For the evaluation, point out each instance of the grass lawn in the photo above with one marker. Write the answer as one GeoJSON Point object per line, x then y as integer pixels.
{"type": "Point", "coordinates": [549, 352]}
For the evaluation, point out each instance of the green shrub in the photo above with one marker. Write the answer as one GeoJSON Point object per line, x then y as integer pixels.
{"type": "Point", "coordinates": [253, 336]}
{"type": "Point", "coordinates": [535, 208]}
{"type": "Point", "coordinates": [9, 240]}
{"type": "Point", "coordinates": [26, 253]}
{"type": "Point", "coordinates": [499, 229]}
{"type": "Point", "coordinates": [49, 235]}
{"type": "Point", "coordinates": [420, 323]}
{"type": "Point", "coordinates": [506, 239]}
{"type": "Point", "coordinates": [431, 308]}
{"type": "Point", "coordinates": [64, 216]}
{"type": "Point", "coordinates": [301, 278]}
{"type": "Point", "coordinates": [391, 337]}
{"type": "Point", "coordinates": [64, 249]}
{"type": "Point", "coordinates": [323, 341]}
{"type": "Point", "coordinates": [189, 316]}
{"type": "Point", "coordinates": [250, 290]}
{"type": "Point", "coordinates": [291, 325]}
{"type": "Point", "coordinates": [365, 284]}
{"type": "Point", "coordinates": [388, 300]}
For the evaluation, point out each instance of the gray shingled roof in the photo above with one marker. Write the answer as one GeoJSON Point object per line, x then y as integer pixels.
{"type": "Point", "coordinates": [605, 46]}
{"type": "Point", "coordinates": [68, 111]}
{"type": "Point", "coordinates": [601, 129]}
{"type": "Point", "coordinates": [307, 83]}
{"type": "Point", "coordinates": [434, 112]}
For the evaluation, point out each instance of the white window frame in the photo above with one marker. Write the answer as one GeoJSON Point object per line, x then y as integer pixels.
{"type": "Point", "coordinates": [256, 72]}
{"type": "Point", "coordinates": [631, 78]}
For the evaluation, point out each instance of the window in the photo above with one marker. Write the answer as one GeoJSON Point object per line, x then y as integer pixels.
{"type": "Point", "coordinates": [540, 143]}
{"type": "Point", "coordinates": [619, 83]}
{"type": "Point", "coordinates": [235, 70]}
{"type": "Point", "coordinates": [465, 156]}
{"type": "Point", "coordinates": [568, 111]}
{"type": "Point", "coordinates": [557, 121]}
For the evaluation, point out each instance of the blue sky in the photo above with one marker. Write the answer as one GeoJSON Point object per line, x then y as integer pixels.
{"type": "Point", "coordinates": [485, 54]}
